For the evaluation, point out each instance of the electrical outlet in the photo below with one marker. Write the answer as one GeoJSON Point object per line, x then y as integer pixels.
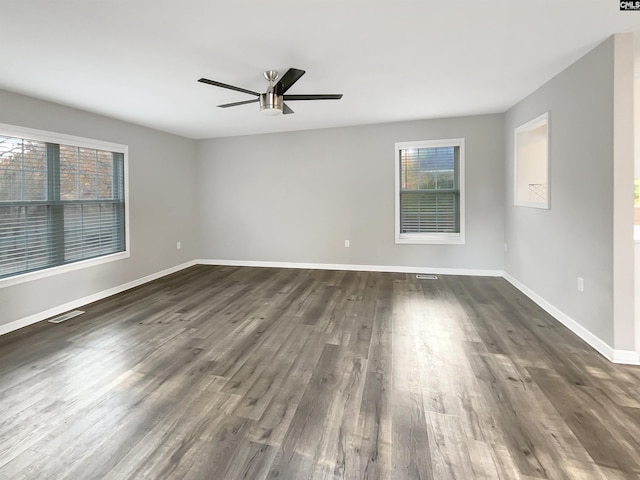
{"type": "Point", "coordinates": [505, 247]}
{"type": "Point", "coordinates": [347, 243]}
{"type": "Point", "coordinates": [580, 284]}
{"type": "Point", "coordinates": [178, 245]}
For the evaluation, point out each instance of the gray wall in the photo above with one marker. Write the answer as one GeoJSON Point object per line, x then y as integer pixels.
{"type": "Point", "coordinates": [295, 197]}
{"type": "Point", "coordinates": [161, 205]}
{"type": "Point", "coordinates": [549, 249]}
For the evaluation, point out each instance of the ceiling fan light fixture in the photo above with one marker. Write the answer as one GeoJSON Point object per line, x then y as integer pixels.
{"type": "Point", "coordinates": [272, 101]}
{"type": "Point", "coordinates": [271, 104]}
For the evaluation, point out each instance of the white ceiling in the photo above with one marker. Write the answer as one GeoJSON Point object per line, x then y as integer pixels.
{"type": "Point", "coordinates": [138, 60]}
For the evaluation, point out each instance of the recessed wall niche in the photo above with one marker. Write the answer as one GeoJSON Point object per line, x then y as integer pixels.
{"type": "Point", "coordinates": [531, 158]}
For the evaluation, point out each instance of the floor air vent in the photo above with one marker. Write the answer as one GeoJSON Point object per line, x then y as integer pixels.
{"type": "Point", "coordinates": [66, 316]}
{"type": "Point", "coordinates": [427, 277]}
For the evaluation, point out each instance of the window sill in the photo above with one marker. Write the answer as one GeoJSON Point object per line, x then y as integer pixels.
{"type": "Point", "coordinates": [443, 239]}
{"type": "Point", "coordinates": [49, 272]}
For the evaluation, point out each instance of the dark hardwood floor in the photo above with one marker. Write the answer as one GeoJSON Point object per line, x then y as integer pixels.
{"type": "Point", "coordinates": [256, 373]}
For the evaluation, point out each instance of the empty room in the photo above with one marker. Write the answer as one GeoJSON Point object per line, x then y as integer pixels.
{"type": "Point", "coordinates": [320, 240]}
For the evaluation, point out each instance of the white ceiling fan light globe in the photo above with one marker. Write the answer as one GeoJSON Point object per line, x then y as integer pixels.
{"type": "Point", "coordinates": [271, 112]}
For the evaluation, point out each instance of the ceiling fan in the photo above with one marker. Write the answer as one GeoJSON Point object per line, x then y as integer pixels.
{"type": "Point", "coordinates": [272, 101]}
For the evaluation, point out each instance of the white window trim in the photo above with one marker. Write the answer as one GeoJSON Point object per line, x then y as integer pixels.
{"type": "Point", "coordinates": [430, 238]}
{"type": "Point", "coordinates": [52, 137]}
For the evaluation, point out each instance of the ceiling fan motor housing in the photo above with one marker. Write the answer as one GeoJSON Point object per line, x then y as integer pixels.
{"type": "Point", "coordinates": [271, 103]}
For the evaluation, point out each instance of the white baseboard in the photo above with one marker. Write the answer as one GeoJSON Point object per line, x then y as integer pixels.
{"type": "Point", "coordinates": [355, 268]}
{"type": "Point", "coordinates": [628, 357]}
{"type": "Point", "coordinates": [52, 312]}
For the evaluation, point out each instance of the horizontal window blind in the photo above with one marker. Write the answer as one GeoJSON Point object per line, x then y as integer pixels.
{"type": "Point", "coordinates": [58, 204]}
{"type": "Point", "coordinates": [429, 190]}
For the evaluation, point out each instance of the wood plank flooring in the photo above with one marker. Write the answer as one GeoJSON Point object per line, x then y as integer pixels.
{"type": "Point", "coordinates": [256, 373]}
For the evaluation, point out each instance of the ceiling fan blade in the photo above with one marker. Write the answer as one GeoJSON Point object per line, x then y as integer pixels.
{"type": "Point", "coordinates": [288, 79]}
{"type": "Point", "coordinates": [227, 105]}
{"type": "Point", "coordinates": [331, 96]}
{"type": "Point", "coordinates": [286, 110]}
{"type": "Point", "coordinates": [230, 87]}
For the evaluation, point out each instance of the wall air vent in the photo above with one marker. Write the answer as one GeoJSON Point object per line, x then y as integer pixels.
{"type": "Point", "coordinates": [66, 316]}
{"type": "Point", "coordinates": [427, 277]}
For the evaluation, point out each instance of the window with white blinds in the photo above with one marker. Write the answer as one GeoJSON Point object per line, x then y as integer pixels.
{"type": "Point", "coordinates": [60, 202]}
{"type": "Point", "coordinates": [430, 191]}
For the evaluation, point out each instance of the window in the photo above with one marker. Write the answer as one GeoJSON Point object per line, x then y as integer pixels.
{"type": "Point", "coordinates": [430, 192]}
{"type": "Point", "coordinates": [532, 163]}
{"type": "Point", "coordinates": [62, 201]}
